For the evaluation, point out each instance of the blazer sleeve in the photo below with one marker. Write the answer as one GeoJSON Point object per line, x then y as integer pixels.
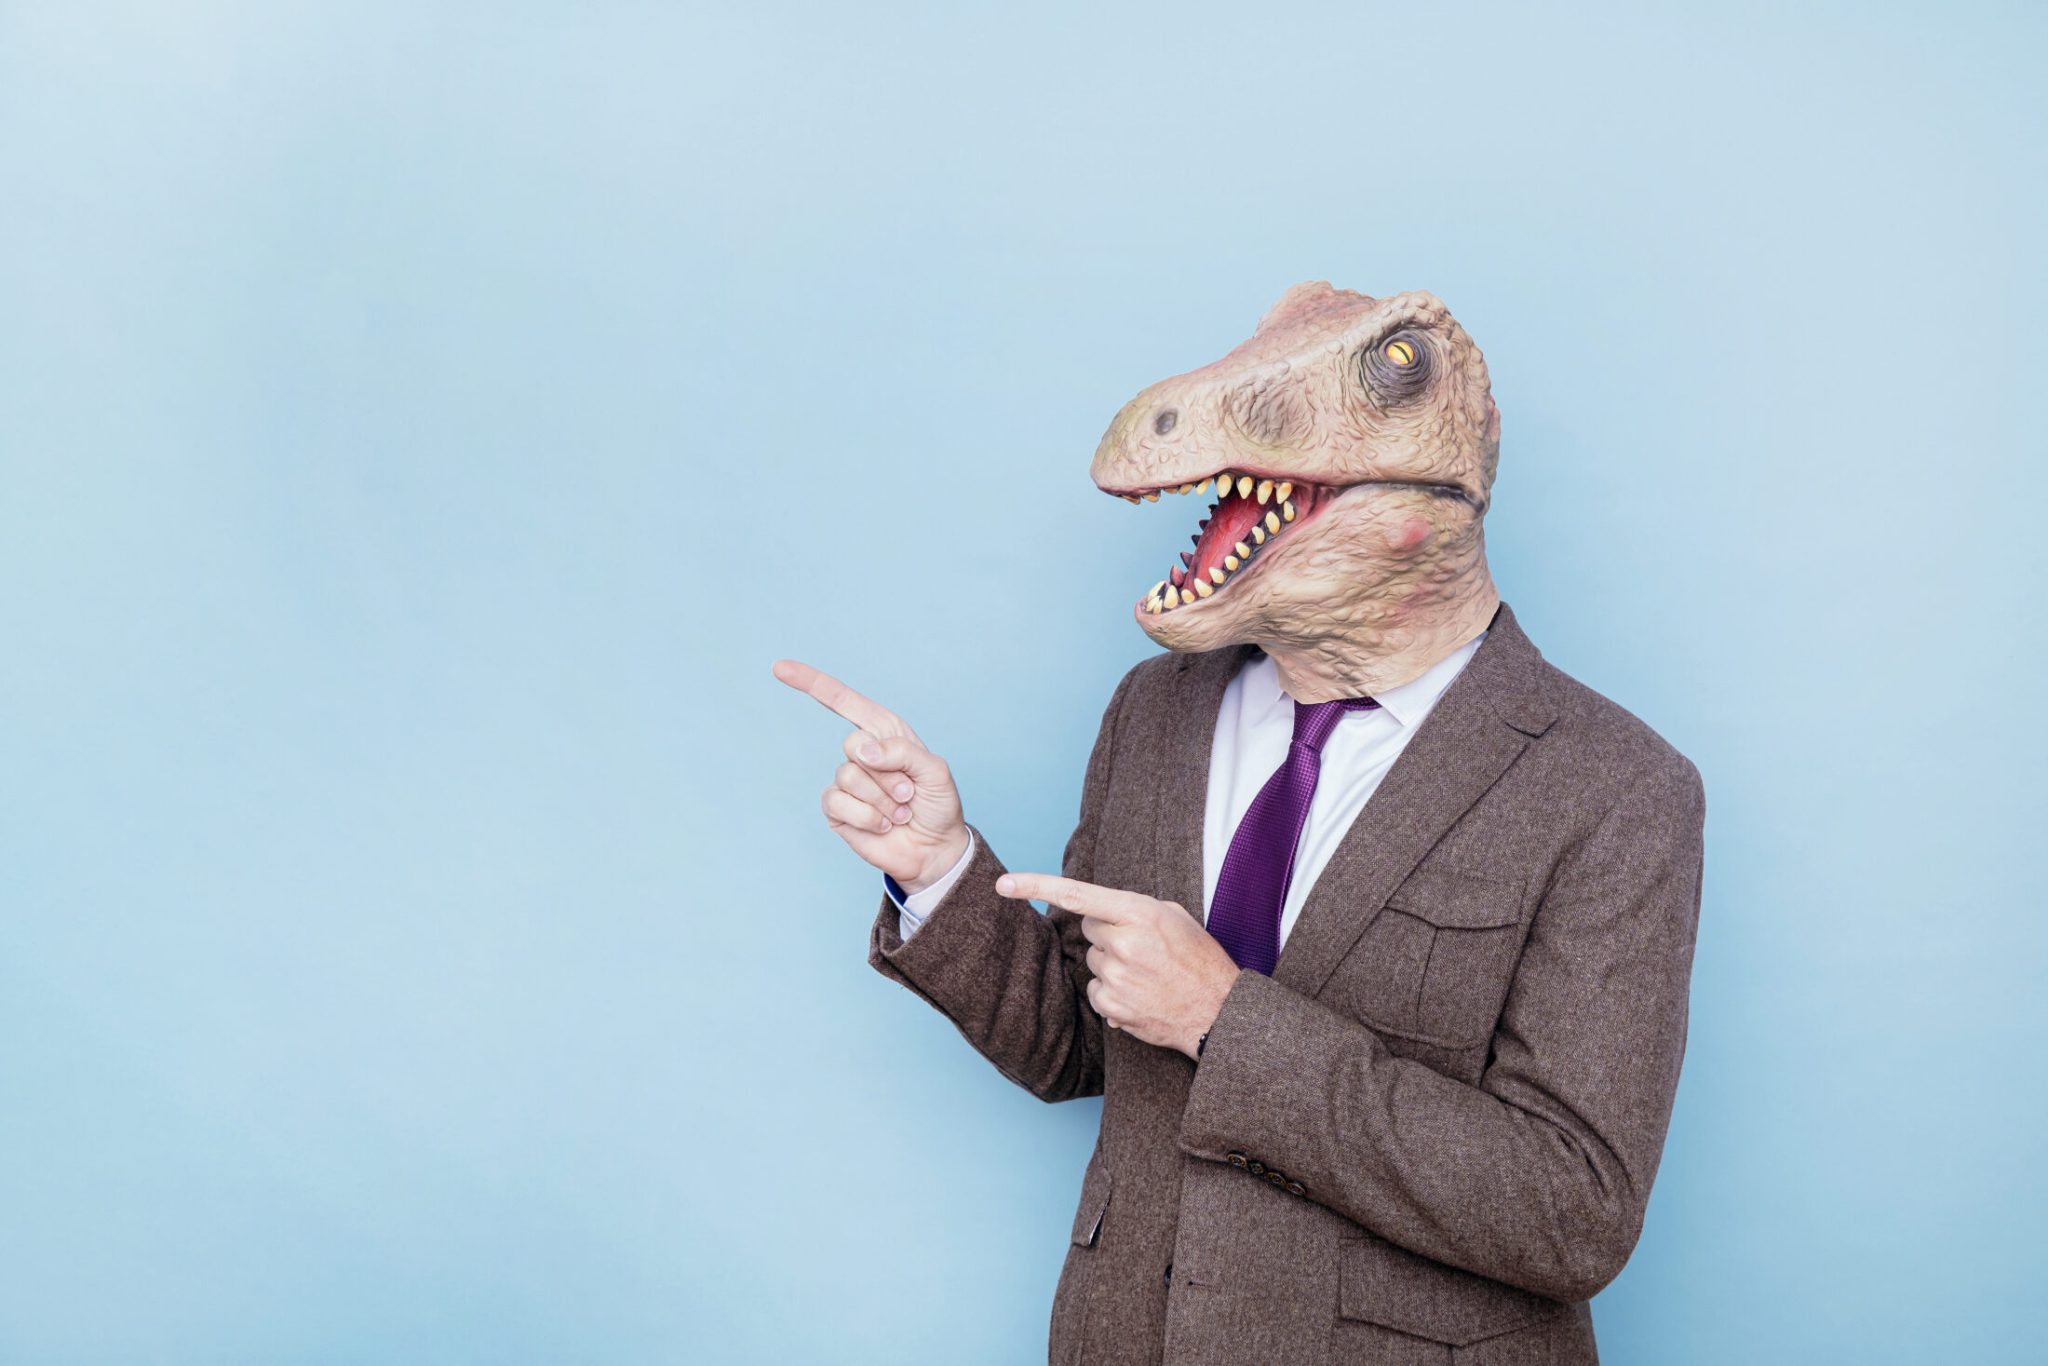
{"type": "Point", "coordinates": [1013, 982]}
{"type": "Point", "coordinates": [1538, 1175]}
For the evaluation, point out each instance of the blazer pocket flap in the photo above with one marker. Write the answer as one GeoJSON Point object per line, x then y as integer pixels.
{"type": "Point", "coordinates": [1094, 1203]}
{"type": "Point", "coordinates": [1395, 1288]}
{"type": "Point", "coordinates": [1459, 900]}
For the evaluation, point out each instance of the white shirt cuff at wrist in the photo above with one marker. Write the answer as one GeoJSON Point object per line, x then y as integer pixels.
{"type": "Point", "coordinates": [912, 909]}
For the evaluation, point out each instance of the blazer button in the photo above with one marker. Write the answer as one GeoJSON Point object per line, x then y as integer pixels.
{"type": "Point", "coordinates": [1234, 1159]}
{"type": "Point", "coordinates": [1276, 1179]}
{"type": "Point", "coordinates": [1256, 1168]}
{"type": "Point", "coordinates": [1294, 1187]}
{"type": "Point", "coordinates": [1166, 1276]}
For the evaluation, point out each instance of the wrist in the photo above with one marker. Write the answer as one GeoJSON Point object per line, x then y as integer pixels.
{"type": "Point", "coordinates": [941, 863]}
{"type": "Point", "coordinates": [1217, 989]}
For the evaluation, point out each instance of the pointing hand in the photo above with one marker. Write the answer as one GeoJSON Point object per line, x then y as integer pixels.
{"type": "Point", "coordinates": [893, 800]}
{"type": "Point", "coordinates": [1157, 973]}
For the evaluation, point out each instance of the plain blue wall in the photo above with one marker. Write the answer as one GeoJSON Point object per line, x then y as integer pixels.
{"type": "Point", "coordinates": [424, 424]}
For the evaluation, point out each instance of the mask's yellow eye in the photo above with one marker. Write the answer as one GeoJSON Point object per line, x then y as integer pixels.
{"type": "Point", "coordinates": [1399, 352]}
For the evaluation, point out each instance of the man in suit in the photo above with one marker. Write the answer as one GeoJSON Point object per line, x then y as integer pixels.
{"type": "Point", "coordinates": [1376, 928]}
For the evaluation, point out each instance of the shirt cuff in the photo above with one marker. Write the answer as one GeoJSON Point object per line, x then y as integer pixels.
{"type": "Point", "coordinates": [913, 907]}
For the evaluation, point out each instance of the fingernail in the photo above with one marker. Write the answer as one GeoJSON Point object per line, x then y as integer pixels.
{"type": "Point", "coordinates": [903, 791]}
{"type": "Point", "coordinates": [902, 813]}
{"type": "Point", "coordinates": [1005, 884]}
{"type": "Point", "coordinates": [871, 751]}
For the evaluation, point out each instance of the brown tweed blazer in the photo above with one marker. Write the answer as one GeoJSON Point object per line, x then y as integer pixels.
{"type": "Point", "coordinates": [1430, 1135]}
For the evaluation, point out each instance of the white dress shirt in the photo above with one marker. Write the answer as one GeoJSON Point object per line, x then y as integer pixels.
{"type": "Point", "coordinates": [1254, 727]}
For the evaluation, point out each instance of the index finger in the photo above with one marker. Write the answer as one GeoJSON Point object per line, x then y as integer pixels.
{"type": "Point", "coordinates": [835, 696]}
{"type": "Point", "coordinates": [1106, 904]}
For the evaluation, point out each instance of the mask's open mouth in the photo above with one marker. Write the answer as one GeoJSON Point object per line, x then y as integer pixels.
{"type": "Point", "coordinates": [1251, 514]}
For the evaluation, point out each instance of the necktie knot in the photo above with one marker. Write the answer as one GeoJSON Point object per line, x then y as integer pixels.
{"type": "Point", "coordinates": [1315, 721]}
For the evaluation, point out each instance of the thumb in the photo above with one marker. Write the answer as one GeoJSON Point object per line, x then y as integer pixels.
{"type": "Point", "coordinates": [884, 756]}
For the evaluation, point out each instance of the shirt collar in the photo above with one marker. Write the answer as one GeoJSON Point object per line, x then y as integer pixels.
{"type": "Point", "coordinates": [1408, 703]}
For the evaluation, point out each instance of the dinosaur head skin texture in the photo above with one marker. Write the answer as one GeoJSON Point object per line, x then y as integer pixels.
{"type": "Point", "coordinates": [1351, 444]}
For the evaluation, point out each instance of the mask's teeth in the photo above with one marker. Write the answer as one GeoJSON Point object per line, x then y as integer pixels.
{"type": "Point", "coordinates": [1184, 585]}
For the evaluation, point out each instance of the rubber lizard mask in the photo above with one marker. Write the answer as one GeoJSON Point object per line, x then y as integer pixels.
{"type": "Point", "coordinates": [1349, 445]}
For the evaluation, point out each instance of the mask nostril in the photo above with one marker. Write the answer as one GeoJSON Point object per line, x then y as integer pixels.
{"type": "Point", "coordinates": [1163, 423]}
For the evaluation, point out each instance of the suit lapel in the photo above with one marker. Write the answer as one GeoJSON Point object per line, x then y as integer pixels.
{"type": "Point", "coordinates": [1447, 767]}
{"type": "Point", "coordinates": [1183, 794]}
{"type": "Point", "coordinates": [1477, 729]}
{"type": "Point", "coordinates": [1480, 725]}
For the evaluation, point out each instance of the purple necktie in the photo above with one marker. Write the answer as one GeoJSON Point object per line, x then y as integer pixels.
{"type": "Point", "coordinates": [1245, 915]}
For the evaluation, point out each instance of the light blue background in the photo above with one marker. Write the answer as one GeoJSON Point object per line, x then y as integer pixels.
{"type": "Point", "coordinates": [424, 424]}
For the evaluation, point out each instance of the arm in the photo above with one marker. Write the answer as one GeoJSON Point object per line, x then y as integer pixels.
{"type": "Point", "coordinates": [1013, 982]}
{"type": "Point", "coordinates": [913, 907]}
{"type": "Point", "coordinates": [1537, 1176]}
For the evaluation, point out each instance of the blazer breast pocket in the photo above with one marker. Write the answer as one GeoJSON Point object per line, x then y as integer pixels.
{"type": "Point", "coordinates": [1434, 963]}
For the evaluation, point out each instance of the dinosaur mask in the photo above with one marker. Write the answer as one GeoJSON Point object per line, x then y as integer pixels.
{"type": "Point", "coordinates": [1350, 444]}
